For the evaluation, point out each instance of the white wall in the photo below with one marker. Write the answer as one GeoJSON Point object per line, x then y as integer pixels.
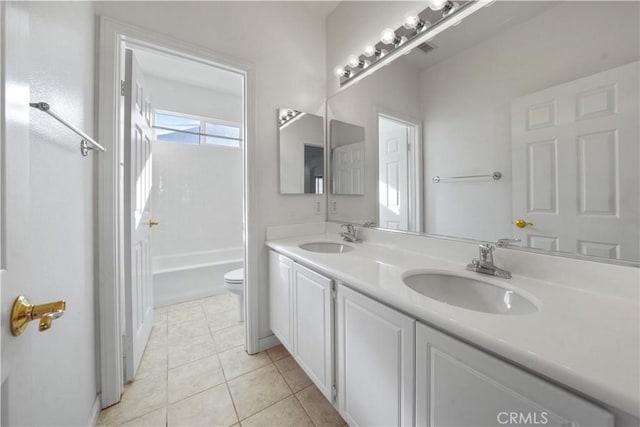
{"type": "Point", "coordinates": [466, 103]}
{"type": "Point", "coordinates": [286, 43]}
{"type": "Point", "coordinates": [188, 99]}
{"type": "Point", "coordinates": [62, 216]}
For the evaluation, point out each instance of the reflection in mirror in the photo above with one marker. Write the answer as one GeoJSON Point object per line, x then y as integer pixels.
{"type": "Point", "coordinates": [399, 189]}
{"type": "Point", "coordinates": [347, 158]}
{"type": "Point", "coordinates": [513, 89]}
{"type": "Point", "coordinates": [301, 152]}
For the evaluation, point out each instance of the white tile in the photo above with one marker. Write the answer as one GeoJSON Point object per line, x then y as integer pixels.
{"type": "Point", "coordinates": [190, 350]}
{"type": "Point", "coordinates": [212, 407]}
{"type": "Point", "coordinates": [194, 377]}
{"type": "Point", "coordinates": [236, 362]}
{"type": "Point", "coordinates": [257, 390]}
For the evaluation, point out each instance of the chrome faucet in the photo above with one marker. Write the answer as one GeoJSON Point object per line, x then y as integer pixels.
{"type": "Point", "coordinates": [484, 263]}
{"type": "Point", "coordinates": [351, 235]}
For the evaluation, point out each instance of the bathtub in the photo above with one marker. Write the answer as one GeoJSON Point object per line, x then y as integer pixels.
{"type": "Point", "coordinates": [189, 276]}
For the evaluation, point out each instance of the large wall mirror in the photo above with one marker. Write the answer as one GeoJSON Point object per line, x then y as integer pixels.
{"type": "Point", "coordinates": [520, 122]}
{"type": "Point", "coordinates": [301, 142]}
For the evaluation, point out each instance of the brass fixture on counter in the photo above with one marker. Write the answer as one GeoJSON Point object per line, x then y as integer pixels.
{"type": "Point", "coordinates": [24, 312]}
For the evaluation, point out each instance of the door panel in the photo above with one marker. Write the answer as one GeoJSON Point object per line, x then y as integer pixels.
{"type": "Point", "coordinates": [280, 298]}
{"type": "Point", "coordinates": [313, 327]}
{"type": "Point", "coordinates": [348, 168]}
{"type": "Point", "coordinates": [17, 385]}
{"type": "Point", "coordinates": [375, 362]}
{"type": "Point", "coordinates": [393, 197]}
{"type": "Point", "coordinates": [575, 165]}
{"type": "Point", "coordinates": [137, 209]}
{"type": "Point", "coordinates": [458, 385]}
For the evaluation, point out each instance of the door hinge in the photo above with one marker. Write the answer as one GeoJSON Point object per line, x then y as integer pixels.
{"type": "Point", "coordinates": [122, 88]}
{"type": "Point", "coordinates": [408, 145]}
{"type": "Point", "coordinates": [334, 293]}
{"type": "Point", "coordinates": [334, 392]}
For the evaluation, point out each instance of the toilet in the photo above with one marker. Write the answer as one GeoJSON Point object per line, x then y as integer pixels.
{"type": "Point", "coordinates": [234, 282]}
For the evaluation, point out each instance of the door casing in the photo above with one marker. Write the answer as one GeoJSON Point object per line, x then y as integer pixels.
{"type": "Point", "coordinates": [113, 39]}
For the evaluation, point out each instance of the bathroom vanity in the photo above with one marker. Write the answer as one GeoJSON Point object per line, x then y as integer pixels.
{"type": "Point", "coordinates": [385, 354]}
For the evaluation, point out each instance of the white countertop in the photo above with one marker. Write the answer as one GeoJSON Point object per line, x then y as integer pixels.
{"type": "Point", "coordinates": [588, 341]}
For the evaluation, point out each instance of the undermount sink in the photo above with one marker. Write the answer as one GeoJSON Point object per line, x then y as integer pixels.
{"type": "Point", "coordinates": [326, 247]}
{"type": "Point", "coordinates": [469, 293]}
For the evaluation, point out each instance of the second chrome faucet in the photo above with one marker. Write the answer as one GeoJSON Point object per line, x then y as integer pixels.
{"type": "Point", "coordinates": [484, 263]}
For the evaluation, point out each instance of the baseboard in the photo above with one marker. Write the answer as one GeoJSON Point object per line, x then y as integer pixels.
{"type": "Point", "coordinates": [268, 342]}
{"type": "Point", "coordinates": [95, 412]}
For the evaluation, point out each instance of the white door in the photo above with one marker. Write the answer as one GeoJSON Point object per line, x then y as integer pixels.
{"type": "Point", "coordinates": [17, 385]}
{"type": "Point", "coordinates": [375, 362]}
{"type": "Point", "coordinates": [393, 172]}
{"type": "Point", "coordinates": [313, 327]}
{"type": "Point", "coordinates": [575, 165]}
{"type": "Point", "coordinates": [348, 168]}
{"type": "Point", "coordinates": [281, 298]}
{"type": "Point", "coordinates": [137, 212]}
{"type": "Point", "coordinates": [458, 385]}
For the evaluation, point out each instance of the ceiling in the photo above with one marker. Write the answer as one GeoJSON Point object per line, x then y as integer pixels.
{"type": "Point", "coordinates": [188, 71]}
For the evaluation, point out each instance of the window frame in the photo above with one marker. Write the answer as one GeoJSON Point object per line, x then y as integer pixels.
{"type": "Point", "coordinates": [202, 137]}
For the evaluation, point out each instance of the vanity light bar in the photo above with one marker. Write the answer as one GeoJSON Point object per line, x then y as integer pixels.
{"type": "Point", "coordinates": [415, 31]}
{"type": "Point", "coordinates": [287, 115]}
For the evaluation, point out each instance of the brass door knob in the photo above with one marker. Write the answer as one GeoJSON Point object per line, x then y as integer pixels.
{"type": "Point", "coordinates": [521, 223]}
{"type": "Point", "coordinates": [153, 223]}
{"type": "Point", "coordinates": [24, 312]}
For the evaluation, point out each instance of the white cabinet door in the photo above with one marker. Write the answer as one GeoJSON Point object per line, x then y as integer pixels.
{"type": "Point", "coordinates": [458, 385]}
{"type": "Point", "coordinates": [280, 298]}
{"type": "Point", "coordinates": [313, 327]}
{"type": "Point", "coordinates": [375, 362]}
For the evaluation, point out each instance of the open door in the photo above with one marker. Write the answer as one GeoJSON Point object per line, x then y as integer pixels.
{"type": "Point", "coordinates": [18, 385]}
{"type": "Point", "coordinates": [571, 144]}
{"type": "Point", "coordinates": [137, 216]}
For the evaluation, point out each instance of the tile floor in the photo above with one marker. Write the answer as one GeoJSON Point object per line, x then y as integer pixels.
{"type": "Point", "coordinates": [195, 372]}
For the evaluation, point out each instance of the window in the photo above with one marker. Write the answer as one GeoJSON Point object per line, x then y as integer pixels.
{"type": "Point", "coordinates": [173, 127]}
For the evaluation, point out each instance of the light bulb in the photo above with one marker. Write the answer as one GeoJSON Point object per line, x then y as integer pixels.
{"type": "Point", "coordinates": [450, 8]}
{"type": "Point", "coordinates": [388, 36]}
{"type": "Point", "coordinates": [369, 51]}
{"type": "Point", "coordinates": [353, 61]}
{"type": "Point", "coordinates": [342, 72]}
{"type": "Point", "coordinates": [437, 4]}
{"type": "Point", "coordinates": [411, 20]}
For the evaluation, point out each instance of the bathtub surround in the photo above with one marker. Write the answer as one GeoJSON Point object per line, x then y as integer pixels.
{"type": "Point", "coordinates": [197, 197]}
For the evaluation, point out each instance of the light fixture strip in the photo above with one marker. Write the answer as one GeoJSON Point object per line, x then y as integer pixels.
{"type": "Point", "coordinates": [375, 62]}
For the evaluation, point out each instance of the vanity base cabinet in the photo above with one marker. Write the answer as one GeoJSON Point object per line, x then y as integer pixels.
{"type": "Point", "coordinates": [458, 385]}
{"type": "Point", "coordinates": [375, 362]}
{"type": "Point", "coordinates": [281, 298]}
{"type": "Point", "coordinates": [313, 327]}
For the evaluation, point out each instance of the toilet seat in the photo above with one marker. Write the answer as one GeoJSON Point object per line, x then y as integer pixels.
{"type": "Point", "coordinates": [234, 276]}
{"type": "Point", "coordinates": [234, 283]}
